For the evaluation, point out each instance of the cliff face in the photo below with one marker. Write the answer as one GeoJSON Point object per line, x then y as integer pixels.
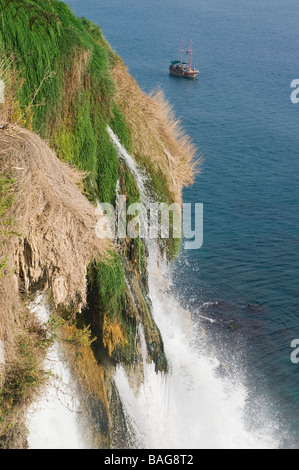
{"type": "Point", "coordinates": [66, 85]}
{"type": "Point", "coordinates": [47, 242]}
{"type": "Point", "coordinates": [54, 220]}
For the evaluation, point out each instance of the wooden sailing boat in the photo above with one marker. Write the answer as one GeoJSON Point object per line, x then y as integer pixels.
{"type": "Point", "coordinates": [183, 69]}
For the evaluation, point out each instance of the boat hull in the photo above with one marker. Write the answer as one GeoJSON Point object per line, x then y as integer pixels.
{"type": "Point", "coordinates": [182, 73]}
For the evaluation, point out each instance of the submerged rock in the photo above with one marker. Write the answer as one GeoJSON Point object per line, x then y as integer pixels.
{"type": "Point", "coordinates": [256, 308]}
{"type": "Point", "coordinates": [233, 325]}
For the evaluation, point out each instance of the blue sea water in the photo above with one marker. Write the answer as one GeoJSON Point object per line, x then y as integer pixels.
{"type": "Point", "coordinates": [240, 116]}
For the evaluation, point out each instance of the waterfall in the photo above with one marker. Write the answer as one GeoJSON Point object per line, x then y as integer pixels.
{"type": "Point", "coordinates": [53, 420]}
{"type": "Point", "coordinates": [191, 406]}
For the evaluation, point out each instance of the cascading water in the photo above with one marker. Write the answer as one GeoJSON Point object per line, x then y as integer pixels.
{"type": "Point", "coordinates": [53, 420]}
{"type": "Point", "coordinates": [191, 406]}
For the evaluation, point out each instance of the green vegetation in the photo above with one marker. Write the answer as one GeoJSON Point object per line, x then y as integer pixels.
{"type": "Point", "coordinates": [111, 285]}
{"type": "Point", "coordinates": [121, 128]}
{"type": "Point", "coordinates": [36, 13]}
{"type": "Point", "coordinates": [108, 168]}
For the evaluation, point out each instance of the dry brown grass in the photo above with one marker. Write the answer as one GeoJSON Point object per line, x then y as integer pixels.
{"type": "Point", "coordinates": [113, 335]}
{"type": "Point", "coordinates": [56, 221]}
{"type": "Point", "coordinates": [77, 76]}
{"type": "Point", "coordinates": [76, 79]}
{"type": "Point", "coordinates": [156, 133]}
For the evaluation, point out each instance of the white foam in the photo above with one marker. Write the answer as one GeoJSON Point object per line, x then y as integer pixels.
{"type": "Point", "coordinates": [52, 420]}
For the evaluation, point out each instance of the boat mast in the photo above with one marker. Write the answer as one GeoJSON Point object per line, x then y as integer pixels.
{"type": "Point", "coordinates": [181, 52]}
{"type": "Point", "coordinates": [190, 54]}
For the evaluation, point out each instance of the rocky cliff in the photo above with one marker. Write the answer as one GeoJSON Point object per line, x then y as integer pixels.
{"type": "Point", "coordinates": [64, 88]}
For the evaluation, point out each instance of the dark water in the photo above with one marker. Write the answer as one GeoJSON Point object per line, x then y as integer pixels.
{"type": "Point", "coordinates": [240, 116]}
